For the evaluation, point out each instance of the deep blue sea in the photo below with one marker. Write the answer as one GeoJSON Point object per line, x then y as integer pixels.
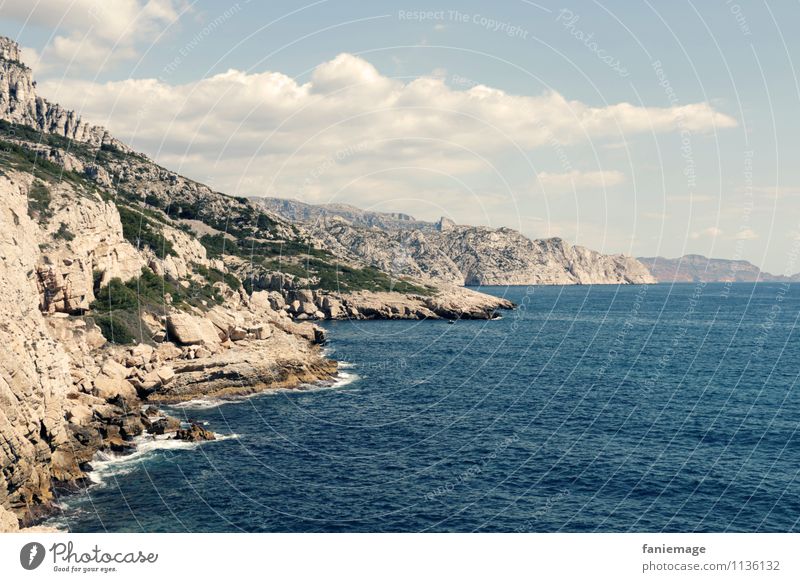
{"type": "Point", "coordinates": [597, 408]}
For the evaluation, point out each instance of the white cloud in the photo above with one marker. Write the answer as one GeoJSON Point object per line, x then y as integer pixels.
{"type": "Point", "coordinates": [92, 34]}
{"type": "Point", "coordinates": [575, 180]}
{"type": "Point", "coordinates": [710, 232]}
{"type": "Point", "coordinates": [746, 234]}
{"type": "Point", "coordinates": [258, 133]}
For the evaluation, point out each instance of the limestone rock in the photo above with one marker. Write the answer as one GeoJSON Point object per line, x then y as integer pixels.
{"type": "Point", "coordinates": [8, 521]}
{"type": "Point", "coordinates": [187, 330]}
{"type": "Point", "coordinates": [195, 433]}
{"type": "Point", "coordinates": [19, 103]}
{"type": "Point", "coordinates": [109, 388]}
{"type": "Point", "coordinates": [444, 252]}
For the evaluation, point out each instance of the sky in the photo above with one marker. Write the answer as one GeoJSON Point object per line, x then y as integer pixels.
{"type": "Point", "coordinates": [647, 128]}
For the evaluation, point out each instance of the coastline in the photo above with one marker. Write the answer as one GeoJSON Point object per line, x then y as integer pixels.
{"type": "Point", "coordinates": [107, 463]}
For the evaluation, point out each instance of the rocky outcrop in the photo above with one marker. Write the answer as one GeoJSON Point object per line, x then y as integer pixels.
{"type": "Point", "coordinates": [83, 236]}
{"type": "Point", "coordinates": [461, 255]}
{"type": "Point", "coordinates": [34, 369]}
{"type": "Point", "coordinates": [696, 268]}
{"type": "Point", "coordinates": [194, 433]}
{"type": "Point", "coordinates": [20, 104]}
{"type": "Point", "coordinates": [447, 302]}
{"type": "Point", "coordinates": [300, 212]}
{"type": "Point", "coordinates": [188, 330]}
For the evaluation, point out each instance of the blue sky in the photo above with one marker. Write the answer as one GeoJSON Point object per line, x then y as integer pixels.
{"type": "Point", "coordinates": [547, 117]}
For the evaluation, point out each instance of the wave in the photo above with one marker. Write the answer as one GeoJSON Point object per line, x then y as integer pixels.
{"type": "Point", "coordinates": [340, 380]}
{"type": "Point", "coordinates": [107, 465]}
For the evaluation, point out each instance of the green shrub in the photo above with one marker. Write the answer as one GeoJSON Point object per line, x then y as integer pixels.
{"type": "Point", "coordinates": [64, 233]}
{"type": "Point", "coordinates": [217, 245]}
{"type": "Point", "coordinates": [114, 330]}
{"type": "Point", "coordinates": [116, 296]}
{"type": "Point", "coordinates": [141, 231]}
{"type": "Point", "coordinates": [39, 200]}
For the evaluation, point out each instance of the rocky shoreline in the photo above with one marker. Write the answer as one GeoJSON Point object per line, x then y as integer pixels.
{"type": "Point", "coordinates": [125, 287]}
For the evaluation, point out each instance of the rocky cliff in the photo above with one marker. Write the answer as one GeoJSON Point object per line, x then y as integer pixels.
{"type": "Point", "coordinates": [456, 254]}
{"type": "Point", "coordinates": [695, 268]}
{"type": "Point", "coordinates": [20, 104]}
{"type": "Point", "coordinates": [124, 285]}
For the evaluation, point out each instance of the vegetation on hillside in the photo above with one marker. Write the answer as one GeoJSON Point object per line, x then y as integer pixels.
{"type": "Point", "coordinates": [250, 234]}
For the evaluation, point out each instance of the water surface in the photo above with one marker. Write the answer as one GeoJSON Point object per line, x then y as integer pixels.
{"type": "Point", "coordinates": [597, 408]}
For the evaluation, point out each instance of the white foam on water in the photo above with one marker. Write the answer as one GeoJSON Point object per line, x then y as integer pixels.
{"type": "Point", "coordinates": [199, 404]}
{"type": "Point", "coordinates": [345, 378]}
{"type": "Point", "coordinates": [341, 379]}
{"type": "Point", "coordinates": [106, 465]}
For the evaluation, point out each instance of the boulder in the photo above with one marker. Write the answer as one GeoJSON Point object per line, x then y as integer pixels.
{"type": "Point", "coordinates": [165, 374]}
{"type": "Point", "coordinates": [168, 351]}
{"type": "Point", "coordinates": [140, 355]}
{"type": "Point", "coordinates": [188, 330]}
{"type": "Point", "coordinates": [332, 307]}
{"type": "Point", "coordinates": [164, 425]}
{"type": "Point", "coordinates": [237, 334]}
{"type": "Point", "coordinates": [108, 388]}
{"type": "Point", "coordinates": [79, 414]}
{"type": "Point", "coordinates": [8, 521]}
{"type": "Point", "coordinates": [194, 433]}
{"type": "Point", "coordinates": [114, 369]}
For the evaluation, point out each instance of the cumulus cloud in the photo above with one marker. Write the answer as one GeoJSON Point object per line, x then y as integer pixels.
{"type": "Point", "coordinates": [710, 232]}
{"type": "Point", "coordinates": [267, 133]}
{"type": "Point", "coordinates": [92, 34]}
{"type": "Point", "coordinates": [746, 234]}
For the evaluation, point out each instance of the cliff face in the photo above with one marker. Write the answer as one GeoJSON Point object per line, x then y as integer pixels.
{"type": "Point", "coordinates": [695, 268]}
{"type": "Point", "coordinates": [456, 254]}
{"type": "Point", "coordinates": [34, 371]}
{"type": "Point", "coordinates": [20, 104]}
{"type": "Point", "coordinates": [301, 212]}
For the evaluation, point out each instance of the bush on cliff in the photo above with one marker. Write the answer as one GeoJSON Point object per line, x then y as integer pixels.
{"type": "Point", "coordinates": [142, 231]}
{"type": "Point", "coordinates": [114, 330]}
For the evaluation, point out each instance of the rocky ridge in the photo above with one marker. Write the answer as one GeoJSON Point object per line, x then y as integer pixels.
{"type": "Point", "coordinates": [20, 104]}
{"type": "Point", "coordinates": [457, 254]}
{"type": "Point", "coordinates": [696, 268]}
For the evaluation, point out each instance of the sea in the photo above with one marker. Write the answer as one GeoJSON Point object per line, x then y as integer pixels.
{"type": "Point", "coordinates": [660, 408]}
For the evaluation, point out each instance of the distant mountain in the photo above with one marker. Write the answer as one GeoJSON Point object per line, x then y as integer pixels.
{"type": "Point", "coordinates": [445, 251]}
{"type": "Point", "coordinates": [297, 211]}
{"type": "Point", "coordinates": [695, 268]}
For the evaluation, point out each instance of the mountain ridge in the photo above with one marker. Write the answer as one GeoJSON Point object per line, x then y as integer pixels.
{"type": "Point", "coordinates": [458, 254]}
{"type": "Point", "coordinates": [694, 267]}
